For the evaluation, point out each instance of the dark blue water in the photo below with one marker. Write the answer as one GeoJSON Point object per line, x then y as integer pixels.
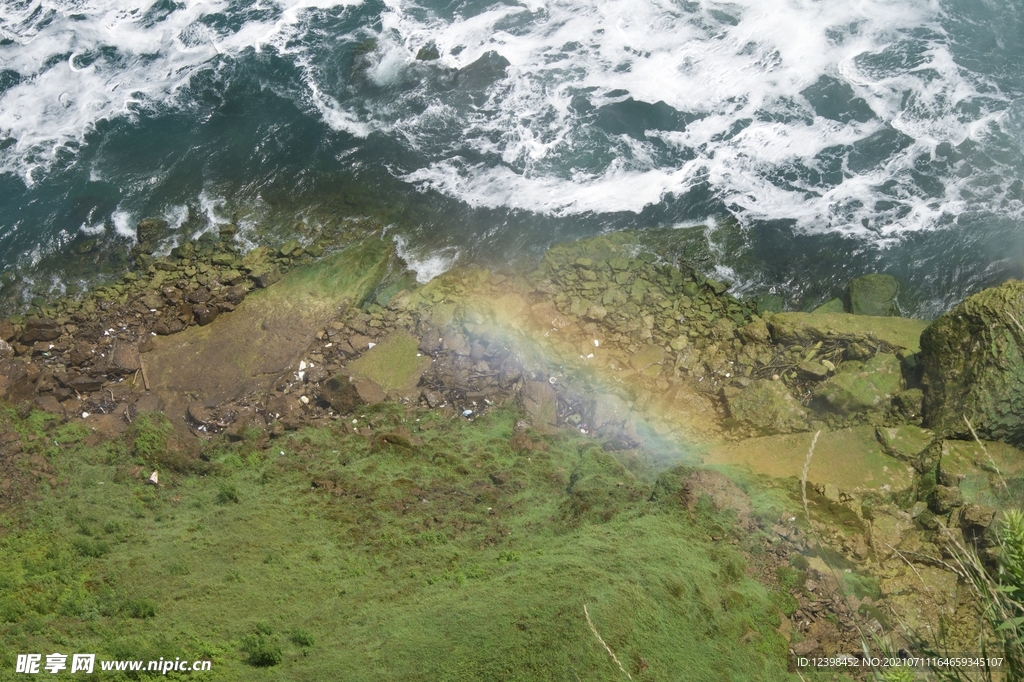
{"type": "Point", "coordinates": [815, 141]}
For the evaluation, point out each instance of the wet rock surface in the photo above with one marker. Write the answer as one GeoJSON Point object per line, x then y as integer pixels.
{"type": "Point", "coordinates": [973, 366]}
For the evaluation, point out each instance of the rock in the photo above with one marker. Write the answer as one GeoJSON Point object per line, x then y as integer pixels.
{"type": "Point", "coordinates": [945, 499]}
{"type": "Point", "coordinates": [341, 394]}
{"type": "Point", "coordinates": [234, 295]}
{"type": "Point", "coordinates": [768, 407]}
{"type": "Point", "coordinates": [540, 402]}
{"type": "Point", "coordinates": [909, 402]}
{"type": "Point", "coordinates": [83, 383]}
{"type": "Point", "coordinates": [863, 390]}
{"type": "Point", "coordinates": [716, 287]}
{"type": "Point", "coordinates": [7, 331]}
{"type": "Point", "coordinates": [813, 370]}
{"type": "Point", "coordinates": [889, 525]}
{"type": "Point", "coordinates": [17, 379]}
{"type": "Point", "coordinates": [123, 359]}
{"type": "Point", "coordinates": [150, 230]}
{"type": "Point", "coordinates": [205, 314]}
{"type": "Point", "coordinates": [755, 331]}
{"type": "Point", "coordinates": [166, 326]}
{"type": "Point", "coordinates": [150, 402]}
{"type": "Point", "coordinates": [48, 403]}
{"type": "Point", "coordinates": [610, 412]}
{"type": "Point", "coordinates": [289, 248]}
{"type": "Point", "coordinates": [40, 329]}
{"type": "Point", "coordinates": [428, 53]}
{"type": "Point", "coordinates": [806, 328]}
{"type": "Point", "coordinates": [833, 306]}
{"type": "Point", "coordinates": [369, 392]}
{"type": "Point", "coordinates": [648, 356]}
{"type": "Point", "coordinates": [873, 294]}
{"type": "Point", "coordinates": [265, 277]}
{"type": "Point", "coordinates": [222, 259]}
{"type": "Point", "coordinates": [904, 442]}
{"type": "Point", "coordinates": [596, 313]}
{"type": "Point", "coordinates": [973, 366]}
{"type": "Point", "coordinates": [974, 521]}
{"type": "Point", "coordinates": [199, 414]}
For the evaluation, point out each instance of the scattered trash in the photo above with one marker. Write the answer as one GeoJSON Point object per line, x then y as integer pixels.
{"type": "Point", "coordinates": [154, 478]}
{"type": "Point", "coordinates": [302, 365]}
{"type": "Point", "coordinates": [84, 415]}
{"type": "Point", "coordinates": [371, 344]}
{"type": "Point", "coordinates": [466, 413]}
{"type": "Point", "coordinates": [552, 380]}
{"type": "Point", "coordinates": [304, 400]}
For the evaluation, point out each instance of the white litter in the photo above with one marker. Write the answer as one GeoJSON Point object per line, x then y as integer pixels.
{"type": "Point", "coordinates": [154, 478]}
{"type": "Point", "coordinates": [371, 344]}
{"type": "Point", "coordinates": [304, 400]}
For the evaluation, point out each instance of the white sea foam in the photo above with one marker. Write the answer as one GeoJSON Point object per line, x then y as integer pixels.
{"type": "Point", "coordinates": [427, 265]}
{"type": "Point", "coordinates": [739, 70]}
{"type": "Point", "coordinates": [745, 61]}
{"type": "Point", "coordinates": [124, 55]}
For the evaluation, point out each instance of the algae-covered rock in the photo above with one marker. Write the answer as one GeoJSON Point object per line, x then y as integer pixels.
{"type": "Point", "coordinates": [151, 229]}
{"type": "Point", "coordinates": [873, 295]}
{"type": "Point", "coordinates": [833, 306]}
{"type": "Point", "coordinates": [973, 366]}
{"type": "Point", "coordinates": [869, 388]}
{"type": "Point", "coordinates": [394, 364]}
{"type": "Point", "coordinates": [808, 328]}
{"type": "Point", "coordinates": [904, 442]}
{"type": "Point", "coordinates": [768, 407]}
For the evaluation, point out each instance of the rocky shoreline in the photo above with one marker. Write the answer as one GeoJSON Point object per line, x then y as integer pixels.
{"type": "Point", "coordinates": [616, 337]}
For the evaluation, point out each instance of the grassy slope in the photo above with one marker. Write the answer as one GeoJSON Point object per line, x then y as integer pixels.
{"type": "Point", "coordinates": [359, 578]}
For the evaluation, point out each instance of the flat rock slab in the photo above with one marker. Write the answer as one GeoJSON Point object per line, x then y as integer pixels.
{"type": "Point", "coordinates": [807, 328]}
{"type": "Point", "coordinates": [395, 365]}
{"type": "Point", "coordinates": [244, 351]}
{"type": "Point", "coordinates": [850, 459]}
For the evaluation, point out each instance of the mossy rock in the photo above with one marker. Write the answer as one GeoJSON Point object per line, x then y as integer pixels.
{"type": "Point", "coordinates": [867, 389]}
{"type": "Point", "coordinates": [833, 306]}
{"type": "Point", "coordinates": [394, 364]}
{"type": "Point", "coordinates": [874, 295]}
{"type": "Point", "coordinates": [973, 366]}
{"type": "Point", "coordinates": [809, 328]}
{"type": "Point", "coordinates": [768, 407]}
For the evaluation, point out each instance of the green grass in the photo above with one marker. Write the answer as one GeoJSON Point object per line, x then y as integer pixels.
{"type": "Point", "coordinates": [324, 555]}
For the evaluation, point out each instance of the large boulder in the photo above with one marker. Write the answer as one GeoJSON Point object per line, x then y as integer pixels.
{"type": "Point", "coordinates": [768, 407]}
{"type": "Point", "coordinates": [973, 366]}
{"type": "Point", "coordinates": [873, 295]}
{"type": "Point", "coordinates": [865, 389]}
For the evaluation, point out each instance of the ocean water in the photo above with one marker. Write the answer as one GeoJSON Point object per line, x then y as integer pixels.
{"type": "Point", "coordinates": [814, 139]}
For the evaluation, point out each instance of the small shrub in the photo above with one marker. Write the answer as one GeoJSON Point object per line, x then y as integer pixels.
{"type": "Point", "coordinates": [90, 548]}
{"type": "Point", "coordinates": [227, 493]}
{"type": "Point", "coordinates": [262, 650]}
{"type": "Point", "coordinates": [139, 608]}
{"type": "Point", "coordinates": [302, 638]}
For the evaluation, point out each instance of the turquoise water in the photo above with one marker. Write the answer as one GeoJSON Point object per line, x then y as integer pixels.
{"type": "Point", "coordinates": [816, 140]}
